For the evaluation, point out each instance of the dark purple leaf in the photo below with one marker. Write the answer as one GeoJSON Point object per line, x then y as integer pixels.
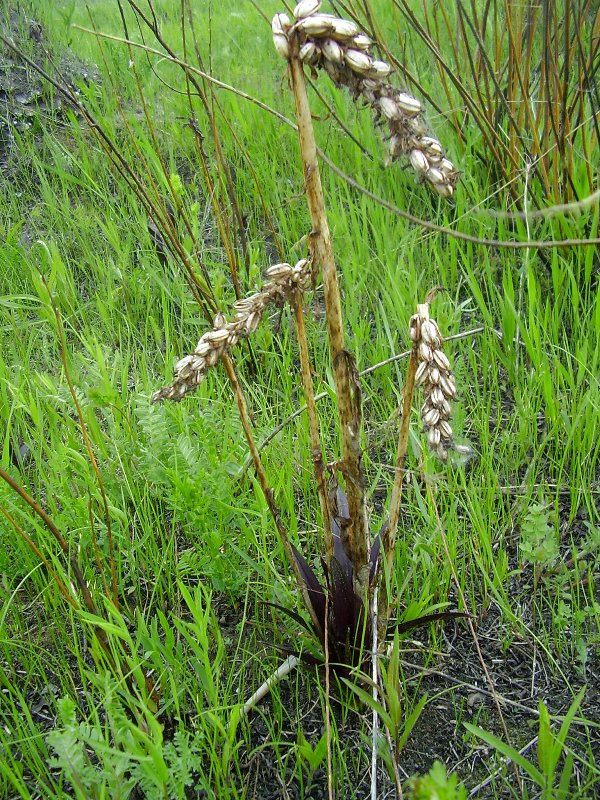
{"type": "Point", "coordinates": [374, 555]}
{"type": "Point", "coordinates": [315, 592]}
{"type": "Point", "coordinates": [290, 613]}
{"type": "Point", "coordinates": [419, 622]}
{"type": "Point", "coordinates": [340, 517]}
{"type": "Point", "coordinates": [344, 604]}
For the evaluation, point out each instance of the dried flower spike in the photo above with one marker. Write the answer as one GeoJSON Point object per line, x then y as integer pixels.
{"type": "Point", "coordinates": [282, 281]}
{"type": "Point", "coordinates": [435, 377]}
{"type": "Point", "coordinates": [344, 52]}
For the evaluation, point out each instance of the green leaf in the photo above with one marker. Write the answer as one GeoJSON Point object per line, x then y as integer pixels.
{"type": "Point", "coordinates": [507, 751]}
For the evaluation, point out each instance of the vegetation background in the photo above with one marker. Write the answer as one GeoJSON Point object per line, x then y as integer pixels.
{"type": "Point", "coordinates": [196, 558]}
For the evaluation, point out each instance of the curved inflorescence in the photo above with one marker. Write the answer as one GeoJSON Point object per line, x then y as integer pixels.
{"type": "Point", "coordinates": [338, 46]}
{"type": "Point", "coordinates": [282, 281]}
{"type": "Point", "coordinates": [435, 377]}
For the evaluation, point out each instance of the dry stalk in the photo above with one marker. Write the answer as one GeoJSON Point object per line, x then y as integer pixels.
{"type": "Point", "coordinates": [313, 423]}
{"type": "Point", "coordinates": [346, 384]}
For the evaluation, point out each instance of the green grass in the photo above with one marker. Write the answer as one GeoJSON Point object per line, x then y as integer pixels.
{"type": "Point", "coordinates": [196, 550]}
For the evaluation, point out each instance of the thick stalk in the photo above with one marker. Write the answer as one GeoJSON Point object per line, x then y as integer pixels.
{"type": "Point", "coordinates": [347, 389]}
{"type": "Point", "coordinates": [316, 450]}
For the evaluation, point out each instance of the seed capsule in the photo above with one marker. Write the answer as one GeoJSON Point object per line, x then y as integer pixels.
{"type": "Point", "coordinates": [280, 24]}
{"type": "Point", "coordinates": [448, 387]}
{"type": "Point", "coordinates": [434, 437]}
{"type": "Point", "coordinates": [444, 189]}
{"type": "Point", "coordinates": [437, 397]}
{"type": "Point", "coordinates": [203, 347]}
{"type": "Point", "coordinates": [358, 61]}
{"type": "Point", "coordinates": [409, 104]}
{"type": "Point", "coordinates": [441, 360]}
{"type": "Point", "coordinates": [421, 373]}
{"type": "Point", "coordinates": [309, 53]}
{"type": "Point", "coordinates": [379, 69]}
{"type": "Point", "coordinates": [252, 322]}
{"type": "Point", "coordinates": [216, 337]}
{"type": "Point", "coordinates": [447, 166]}
{"type": "Point", "coordinates": [389, 108]}
{"type": "Point", "coordinates": [277, 270]}
{"type": "Point", "coordinates": [445, 429]}
{"type": "Point", "coordinates": [316, 25]}
{"type": "Point", "coordinates": [344, 29]}
{"type": "Point", "coordinates": [436, 176]}
{"type": "Point", "coordinates": [306, 7]}
{"type": "Point", "coordinates": [332, 51]}
{"type": "Point", "coordinates": [425, 352]}
{"type": "Point", "coordinates": [418, 161]}
{"type": "Point", "coordinates": [434, 375]}
{"type": "Point", "coordinates": [362, 42]}
{"type": "Point", "coordinates": [445, 409]}
{"type": "Point", "coordinates": [282, 46]}
{"type": "Point", "coordinates": [432, 146]}
{"type": "Point", "coordinates": [431, 417]}
{"type": "Point", "coordinates": [430, 332]}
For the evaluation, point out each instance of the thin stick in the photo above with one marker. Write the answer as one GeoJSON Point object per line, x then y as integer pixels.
{"type": "Point", "coordinates": [347, 391]}
{"type": "Point", "coordinates": [281, 672]}
{"type": "Point", "coordinates": [313, 422]}
{"type": "Point", "coordinates": [375, 715]}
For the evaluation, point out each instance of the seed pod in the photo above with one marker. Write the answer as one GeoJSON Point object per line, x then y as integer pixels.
{"type": "Point", "coordinates": [202, 348]}
{"type": "Point", "coordinates": [277, 270]}
{"type": "Point", "coordinates": [280, 24]}
{"type": "Point", "coordinates": [219, 320]}
{"type": "Point", "coordinates": [431, 417]}
{"type": "Point", "coordinates": [430, 332]}
{"type": "Point", "coordinates": [358, 61]}
{"type": "Point", "coordinates": [444, 189]}
{"type": "Point", "coordinates": [282, 46]}
{"type": "Point", "coordinates": [447, 166]}
{"type": "Point", "coordinates": [434, 375]}
{"type": "Point", "coordinates": [216, 337]}
{"type": "Point", "coordinates": [389, 108]}
{"type": "Point", "coordinates": [344, 30]}
{"type": "Point", "coordinates": [379, 69]}
{"type": "Point", "coordinates": [309, 53]}
{"type": "Point", "coordinates": [441, 360]}
{"type": "Point", "coordinates": [421, 373]}
{"type": "Point", "coordinates": [425, 352]}
{"type": "Point", "coordinates": [432, 146]}
{"type": "Point", "coordinates": [334, 71]}
{"type": "Point", "coordinates": [448, 387]}
{"type": "Point", "coordinates": [316, 25]}
{"type": "Point", "coordinates": [409, 104]}
{"type": "Point", "coordinates": [306, 7]}
{"type": "Point", "coordinates": [434, 437]}
{"type": "Point", "coordinates": [445, 409]}
{"type": "Point", "coordinates": [252, 322]}
{"type": "Point", "coordinates": [445, 429]}
{"type": "Point", "coordinates": [332, 51]}
{"type": "Point", "coordinates": [435, 176]}
{"type": "Point", "coordinates": [212, 357]}
{"type": "Point", "coordinates": [418, 161]}
{"type": "Point", "coordinates": [437, 397]}
{"type": "Point", "coordinates": [362, 42]}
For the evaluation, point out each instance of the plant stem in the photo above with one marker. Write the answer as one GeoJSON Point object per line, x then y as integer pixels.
{"type": "Point", "coordinates": [346, 381]}
{"type": "Point", "coordinates": [267, 490]}
{"type": "Point", "coordinates": [313, 422]}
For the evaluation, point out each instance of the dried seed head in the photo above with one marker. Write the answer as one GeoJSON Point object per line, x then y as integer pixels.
{"type": "Point", "coordinates": [277, 270]}
{"type": "Point", "coordinates": [306, 7]}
